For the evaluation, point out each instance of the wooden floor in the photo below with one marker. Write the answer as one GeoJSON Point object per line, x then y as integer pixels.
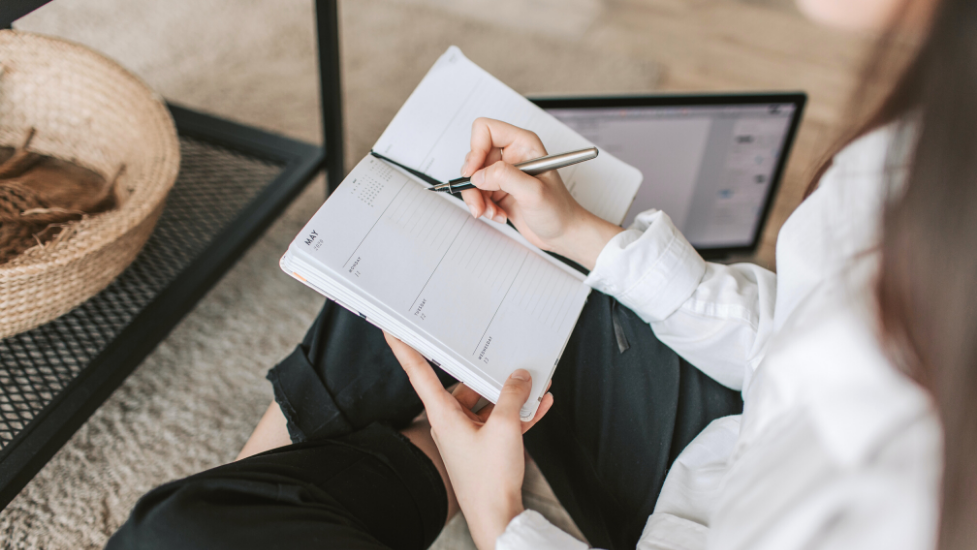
{"type": "Point", "coordinates": [715, 45]}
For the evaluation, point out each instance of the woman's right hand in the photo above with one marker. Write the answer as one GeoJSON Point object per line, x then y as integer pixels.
{"type": "Point", "coordinates": [540, 207]}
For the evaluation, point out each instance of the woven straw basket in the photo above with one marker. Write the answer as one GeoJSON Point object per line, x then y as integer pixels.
{"type": "Point", "coordinates": [89, 110]}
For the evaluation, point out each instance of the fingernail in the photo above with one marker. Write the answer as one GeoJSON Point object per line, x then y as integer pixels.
{"type": "Point", "coordinates": [478, 178]}
{"type": "Point", "coordinates": [499, 218]}
{"type": "Point", "coordinates": [521, 374]}
{"type": "Point", "coordinates": [463, 165]}
{"type": "Point", "coordinates": [490, 211]}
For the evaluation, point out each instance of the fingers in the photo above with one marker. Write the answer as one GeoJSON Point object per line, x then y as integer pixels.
{"type": "Point", "coordinates": [466, 396]}
{"type": "Point", "coordinates": [488, 136]}
{"type": "Point", "coordinates": [468, 168]}
{"type": "Point", "coordinates": [475, 201]}
{"type": "Point", "coordinates": [491, 141]}
{"type": "Point", "coordinates": [421, 376]}
{"type": "Point", "coordinates": [544, 407]}
{"type": "Point", "coordinates": [480, 204]}
{"type": "Point", "coordinates": [514, 394]}
{"type": "Point", "coordinates": [503, 176]}
{"type": "Point", "coordinates": [499, 214]}
{"type": "Point", "coordinates": [437, 401]}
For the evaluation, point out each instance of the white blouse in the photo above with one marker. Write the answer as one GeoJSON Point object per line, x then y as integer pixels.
{"type": "Point", "coordinates": [835, 447]}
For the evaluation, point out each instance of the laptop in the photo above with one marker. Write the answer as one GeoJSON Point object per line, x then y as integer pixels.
{"type": "Point", "coordinates": [713, 163]}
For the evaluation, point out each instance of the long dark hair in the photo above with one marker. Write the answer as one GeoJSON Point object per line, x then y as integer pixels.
{"type": "Point", "coordinates": [927, 287]}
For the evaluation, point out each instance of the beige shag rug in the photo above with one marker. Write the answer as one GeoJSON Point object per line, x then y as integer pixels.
{"type": "Point", "coordinates": [194, 401]}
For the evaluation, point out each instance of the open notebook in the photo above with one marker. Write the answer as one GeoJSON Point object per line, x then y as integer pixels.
{"type": "Point", "coordinates": [473, 296]}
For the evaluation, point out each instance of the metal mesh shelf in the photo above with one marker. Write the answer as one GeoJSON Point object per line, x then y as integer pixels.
{"type": "Point", "coordinates": [214, 185]}
{"type": "Point", "coordinates": [233, 182]}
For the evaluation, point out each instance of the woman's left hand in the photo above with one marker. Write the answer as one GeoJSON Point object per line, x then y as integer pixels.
{"type": "Point", "coordinates": [483, 452]}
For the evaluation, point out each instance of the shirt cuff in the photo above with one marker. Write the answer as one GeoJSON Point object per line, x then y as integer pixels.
{"type": "Point", "coordinates": [530, 531]}
{"type": "Point", "coordinates": [649, 268]}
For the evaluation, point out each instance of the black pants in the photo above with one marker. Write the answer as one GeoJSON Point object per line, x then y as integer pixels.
{"type": "Point", "coordinates": [625, 406]}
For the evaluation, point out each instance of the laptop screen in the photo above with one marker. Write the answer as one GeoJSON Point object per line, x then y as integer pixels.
{"type": "Point", "coordinates": [711, 168]}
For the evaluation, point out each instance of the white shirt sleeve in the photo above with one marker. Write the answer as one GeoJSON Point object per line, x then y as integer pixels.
{"type": "Point", "coordinates": [530, 531]}
{"type": "Point", "coordinates": [718, 317]}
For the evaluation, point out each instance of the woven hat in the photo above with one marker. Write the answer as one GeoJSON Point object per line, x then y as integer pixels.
{"type": "Point", "coordinates": [86, 109]}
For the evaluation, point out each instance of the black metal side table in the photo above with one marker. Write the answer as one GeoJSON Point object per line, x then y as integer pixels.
{"type": "Point", "coordinates": [234, 181]}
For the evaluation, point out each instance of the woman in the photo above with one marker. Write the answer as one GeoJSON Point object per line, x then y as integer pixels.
{"type": "Point", "coordinates": [848, 360]}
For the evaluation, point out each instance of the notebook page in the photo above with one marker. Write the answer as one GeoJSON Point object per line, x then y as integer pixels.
{"type": "Point", "coordinates": [505, 229]}
{"type": "Point", "coordinates": [489, 301]}
{"type": "Point", "coordinates": [432, 133]}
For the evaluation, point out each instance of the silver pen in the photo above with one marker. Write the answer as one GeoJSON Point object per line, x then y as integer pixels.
{"type": "Point", "coordinates": [531, 167]}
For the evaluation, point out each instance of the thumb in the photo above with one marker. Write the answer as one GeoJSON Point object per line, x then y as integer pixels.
{"type": "Point", "coordinates": [514, 394]}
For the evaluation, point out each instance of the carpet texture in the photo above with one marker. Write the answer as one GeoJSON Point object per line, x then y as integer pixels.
{"type": "Point", "coordinates": [194, 401]}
